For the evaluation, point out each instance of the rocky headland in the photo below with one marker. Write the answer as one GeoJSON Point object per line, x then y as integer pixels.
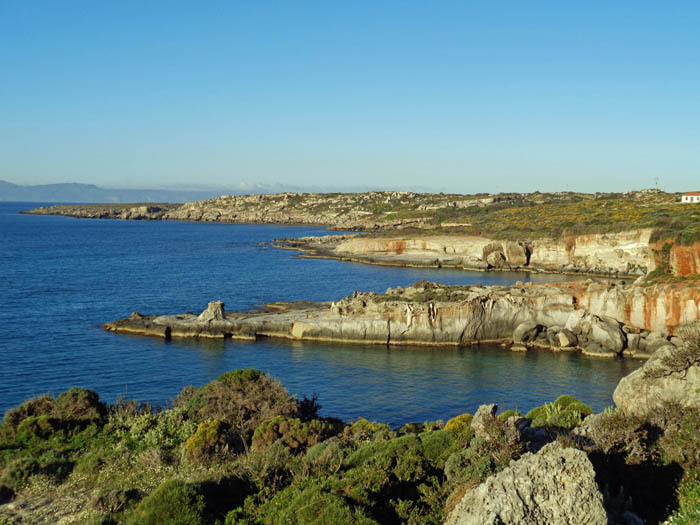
{"type": "Point", "coordinates": [598, 318]}
{"type": "Point", "coordinates": [631, 234]}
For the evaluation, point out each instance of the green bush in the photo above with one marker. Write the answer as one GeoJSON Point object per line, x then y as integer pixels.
{"type": "Point", "coordinates": [165, 430]}
{"type": "Point", "coordinates": [459, 424]}
{"type": "Point", "coordinates": [18, 471]}
{"type": "Point", "coordinates": [80, 405]}
{"type": "Point", "coordinates": [688, 512]}
{"type": "Point", "coordinates": [438, 445]}
{"type": "Point", "coordinates": [506, 415]}
{"type": "Point", "coordinates": [324, 458]}
{"type": "Point", "coordinates": [384, 470]}
{"type": "Point", "coordinates": [364, 430]}
{"type": "Point", "coordinates": [245, 398]}
{"type": "Point", "coordinates": [36, 427]}
{"type": "Point", "coordinates": [294, 434]}
{"type": "Point", "coordinates": [211, 441]}
{"type": "Point", "coordinates": [35, 407]}
{"type": "Point", "coordinates": [174, 502]}
{"type": "Point", "coordinates": [307, 503]}
{"type": "Point", "coordinates": [565, 413]}
{"type": "Point", "coordinates": [472, 465]}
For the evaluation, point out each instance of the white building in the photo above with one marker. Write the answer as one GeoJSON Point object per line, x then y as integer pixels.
{"type": "Point", "coordinates": [692, 196]}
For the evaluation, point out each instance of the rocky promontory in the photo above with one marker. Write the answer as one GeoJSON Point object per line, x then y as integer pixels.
{"type": "Point", "coordinates": [630, 234]}
{"type": "Point", "coordinates": [598, 318]}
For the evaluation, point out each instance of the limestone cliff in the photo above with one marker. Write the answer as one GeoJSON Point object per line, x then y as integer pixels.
{"type": "Point", "coordinates": [625, 253]}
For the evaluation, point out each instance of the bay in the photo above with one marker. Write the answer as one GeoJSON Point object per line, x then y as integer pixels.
{"type": "Point", "coordinates": [61, 278]}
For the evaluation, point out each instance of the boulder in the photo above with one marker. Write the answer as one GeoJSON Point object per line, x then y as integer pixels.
{"type": "Point", "coordinates": [659, 382]}
{"type": "Point", "coordinates": [496, 259]}
{"type": "Point", "coordinates": [494, 255]}
{"type": "Point", "coordinates": [573, 323]}
{"type": "Point", "coordinates": [517, 254]}
{"type": "Point", "coordinates": [655, 343]}
{"type": "Point", "coordinates": [526, 332]}
{"type": "Point", "coordinates": [483, 419]}
{"type": "Point", "coordinates": [214, 312]}
{"type": "Point", "coordinates": [556, 485]}
{"type": "Point", "coordinates": [567, 338]}
{"type": "Point", "coordinates": [607, 333]}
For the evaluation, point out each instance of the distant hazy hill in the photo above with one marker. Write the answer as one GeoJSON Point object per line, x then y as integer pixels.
{"type": "Point", "coordinates": [74, 192]}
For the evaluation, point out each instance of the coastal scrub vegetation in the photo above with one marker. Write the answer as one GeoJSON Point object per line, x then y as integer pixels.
{"type": "Point", "coordinates": [531, 216]}
{"type": "Point", "coordinates": [242, 450]}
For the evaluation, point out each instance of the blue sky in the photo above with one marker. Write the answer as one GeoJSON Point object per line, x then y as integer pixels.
{"type": "Point", "coordinates": [442, 96]}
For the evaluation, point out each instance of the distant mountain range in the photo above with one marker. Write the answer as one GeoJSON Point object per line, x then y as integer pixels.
{"type": "Point", "coordinates": [89, 193]}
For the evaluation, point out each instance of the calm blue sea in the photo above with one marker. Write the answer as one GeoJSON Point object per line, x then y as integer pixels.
{"type": "Point", "coordinates": [61, 278]}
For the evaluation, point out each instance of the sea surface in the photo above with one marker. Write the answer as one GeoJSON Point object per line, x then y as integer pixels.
{"type": "Point", "coordinates": [61, 278]}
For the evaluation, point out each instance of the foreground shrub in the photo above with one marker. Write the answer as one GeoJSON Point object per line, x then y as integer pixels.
{"type": "Point", "coordinates": [41, 416]}
{"type": "Point", "coordinates": [322, 459]}
{"type": "Point", "coordinates": [165, 430]}
{"type": "Point", "coordinates": [565, 413]}
{"type": "Point", "coordinates": [80, 405]}
{"type": "Point", "coordinates": [459, 424]}
{"type": "Point", "coordinates": [36, 427]}
{"type": "Point", "coordinates": [385, 477]}
{"type": "Point", "coordinates": [438, 445]}
{"type": "Point", "coordinates": [244, 398]}
{"type": "Point", "coordinates": [306, 502]}
{"type": "Point", "coordinates": [688, 512]}
{"type": "Point", "coordinates": [269, 469]}
{"type": "Point", "coordinates": [294, 434]}
{"type": "Point", "coordinates": [36, 407]}
{"type": "Point", "coordinates": [472, 465]}
{"type": "Point", "coordinates": [363, 430]}
{"type": "Point", "coordinates": [174, 502]}
{"type": "Point", "coordinates": [213, 440]}
{"type": "Point", "coordinates": [507, 414]}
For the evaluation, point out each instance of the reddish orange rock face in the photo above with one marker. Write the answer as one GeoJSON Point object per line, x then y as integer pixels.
{"type": "Point", "coordinates": [685, 260]}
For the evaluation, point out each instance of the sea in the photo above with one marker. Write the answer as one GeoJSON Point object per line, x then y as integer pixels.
{"type": "Point", "coordinates": [61, 278]}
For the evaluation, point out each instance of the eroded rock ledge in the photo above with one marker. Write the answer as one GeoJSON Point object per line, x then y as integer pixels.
{"type": "Point", "coordinates": [599, 319]}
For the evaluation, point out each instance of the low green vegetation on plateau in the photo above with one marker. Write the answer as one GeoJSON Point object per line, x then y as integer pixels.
{"type": "Point", "coordinates": [534, 215]}
{"type": "Point", "coordinates": [241, 450]}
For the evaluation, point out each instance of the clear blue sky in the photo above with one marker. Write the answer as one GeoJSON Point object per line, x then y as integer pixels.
{"type": "Point", "coordinates": [452, 96]}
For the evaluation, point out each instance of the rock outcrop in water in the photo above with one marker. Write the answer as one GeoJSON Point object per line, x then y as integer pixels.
{"type": "Point", "coordinates": [600, 319]}
{"type": "Point", "coordinates": [556, 485]}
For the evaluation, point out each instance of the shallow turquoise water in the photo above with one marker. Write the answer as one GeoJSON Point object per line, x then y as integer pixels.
{"type": "Point", "coordinates": [61, 278]}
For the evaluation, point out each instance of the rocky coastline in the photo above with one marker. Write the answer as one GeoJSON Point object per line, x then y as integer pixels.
{"type": "Point", "coordinates": [627, 254]}
{"type": "Point", "coordinates": [599, 319]}
{"type": "Point", "coordinates": [611, 235]}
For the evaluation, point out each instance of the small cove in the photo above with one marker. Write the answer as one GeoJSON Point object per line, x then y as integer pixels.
{"type": "Point", "coordinates": [61, 278]}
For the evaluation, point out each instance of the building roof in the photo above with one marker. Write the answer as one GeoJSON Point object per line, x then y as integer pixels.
{"type": "Point", "coordinates": [693, 193]}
